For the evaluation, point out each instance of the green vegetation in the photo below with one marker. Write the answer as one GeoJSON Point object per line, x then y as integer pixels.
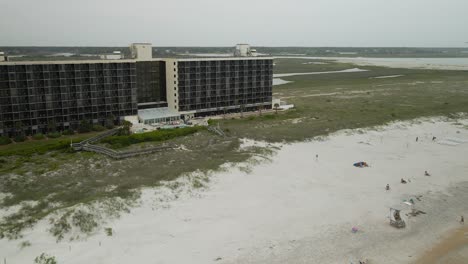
{"type": "Point", "coordinates": [30, 148]}
{"type": "Point", "coordinates": [154, 136]}
{"type": "Point", "coordinates": [38, 136]}
{"type": "Point", "coordinates": [83, 178]}
{"type": "Point", "coordinates": [68, 132]}
{"type": "Point", "coordinates": [108, 231]}
{"type": "Point", "coordinates": [24, 244]}
{"type": "Point", "coordinates": [54, 135]}
{"type": "Point", "coordinates": [45, 259]}
{"type": "Point", "coordinates": [19, 138]}
{"type": "Point", "coordinates": [98, 128]}
{"type": "Point", "coordinates": [4, 140]}
{"type": "Point", "coordinates": [85, 126]}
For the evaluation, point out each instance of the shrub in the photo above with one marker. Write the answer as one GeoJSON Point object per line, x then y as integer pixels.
{"type": "Point", "coordinates": [110, 122]}
{"type": "Point", "coordinates": [45, 259]}
{"type": "Point", "coordinates": [108, 231]}
{"type": "Point", "coordinates": [38, 136]}
{"type": "Point", "coordinates": [158, 135]}
{"type": "Point", "coordinates": [98, 128]}
{"type": "Point", "coordinates": [85, 221]}
{"type": "Point", "coordinates": [269, 117]}
{"type": "Point", "coordinates": [24, 244]}
{"type": "Point", "coordinates": [54, 135]}
{"type": "Point", "coordinates": [4, 140]}
{"type": "Point", "coordinates": [125, 130]}
{"type": "Point", "coordinates": [20, 138]}
{"type": "Point", "coordinates": [39, 147]}
{"type": "Point", "coordinates": [85, 126]}
{"type": "Point", "coordinates": [68, 132]}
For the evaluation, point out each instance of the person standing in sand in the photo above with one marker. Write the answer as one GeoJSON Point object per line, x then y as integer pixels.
{"type": "Point", "coordinates": [417, 138]}
{"type": "Point", "coordinates": [462, 220]}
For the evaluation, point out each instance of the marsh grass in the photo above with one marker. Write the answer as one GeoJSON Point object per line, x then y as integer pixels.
{"type": "Point", "coordinates": [330, 102]}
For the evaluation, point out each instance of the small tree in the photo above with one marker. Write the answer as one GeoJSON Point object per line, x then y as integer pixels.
{"type": "Point", "coordinates": [19, 129]}
{"type": "Point", "coordinates": [110, 121]}
{"type": "Point", "coordinates": [85, 126]}
{"type": "Point", "coordinates": [126, 125]}
{"type": "Point", "coordinates": [276, 106]}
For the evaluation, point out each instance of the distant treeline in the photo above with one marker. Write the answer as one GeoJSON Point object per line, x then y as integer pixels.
{"type": "Point", "coordinates": [61, 53]}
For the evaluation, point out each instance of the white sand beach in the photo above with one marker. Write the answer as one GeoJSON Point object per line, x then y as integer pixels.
{"type": "Point", "coordinates": [295, 208]}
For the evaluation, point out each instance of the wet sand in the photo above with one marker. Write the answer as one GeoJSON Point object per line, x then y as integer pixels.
{"type": "Point", "coordinates": [451, 250]}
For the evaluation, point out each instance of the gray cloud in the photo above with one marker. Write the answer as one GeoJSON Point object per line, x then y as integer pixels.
{"type": "Point", "coordinates": [223, 23]}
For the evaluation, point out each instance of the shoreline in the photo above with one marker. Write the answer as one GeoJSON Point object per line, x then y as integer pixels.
{"type": "Point", "coordinates": [452, 248]}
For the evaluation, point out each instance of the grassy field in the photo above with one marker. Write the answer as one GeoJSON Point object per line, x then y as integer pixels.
{"type": "Point", "coordinates": [52, 181]}
{"type": "Point", "coordinates": [33, 147]}
{"type": "Point", "coordinates": [329, 102]}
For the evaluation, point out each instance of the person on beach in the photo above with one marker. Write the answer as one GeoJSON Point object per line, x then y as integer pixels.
{"type": "Point", "coordinates": [316, 157]}
{"type": "Point", "coordinates": [387, 187]}
{"type": "Point", "coordinates": [426, 173]}
{"type": "Point", "coordinates": [403, 181]}
{"type": "Point", "coordinates": [433, 138]}
{"type": "Point", "coordinates": [417, 138]}
{"type": "Point", "coordinates": [462, 220]}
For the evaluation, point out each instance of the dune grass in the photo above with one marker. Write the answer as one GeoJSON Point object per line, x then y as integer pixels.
{"type": "Point", "coordinates": [34, 147]}
{"type": "Point", "coordinates": [153, 136]}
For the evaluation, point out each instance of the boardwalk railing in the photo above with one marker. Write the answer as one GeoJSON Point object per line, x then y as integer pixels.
{"type": "Point", "coordinates": [217, 130]}
{"type": "Point", "coordinates": [87, 145]}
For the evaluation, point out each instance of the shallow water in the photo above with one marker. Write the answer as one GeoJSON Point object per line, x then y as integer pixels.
{"type": "Point", "coordinates": [426, 63]}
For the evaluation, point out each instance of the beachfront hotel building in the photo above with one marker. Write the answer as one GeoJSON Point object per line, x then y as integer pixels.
{"type": "Point", "coordinates": [200, 87]}
{"type": "Point", "coordinates": [34, 95]}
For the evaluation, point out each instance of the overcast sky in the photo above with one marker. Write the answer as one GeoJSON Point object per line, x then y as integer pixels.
{"type": "Point", "coordinates": [402, 23]}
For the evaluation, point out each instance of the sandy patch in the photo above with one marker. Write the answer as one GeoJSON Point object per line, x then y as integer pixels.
{"type": "Point", "coordinates": [315, 62]}
{"type": "Point", "coordinates": [314, 73]}
{"type": "Point", "coordinates": [386, 77]}
{"type": "Point", "coordinates": [348, 93]}
{"type": "Point", "coordinates": [278, 81]}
